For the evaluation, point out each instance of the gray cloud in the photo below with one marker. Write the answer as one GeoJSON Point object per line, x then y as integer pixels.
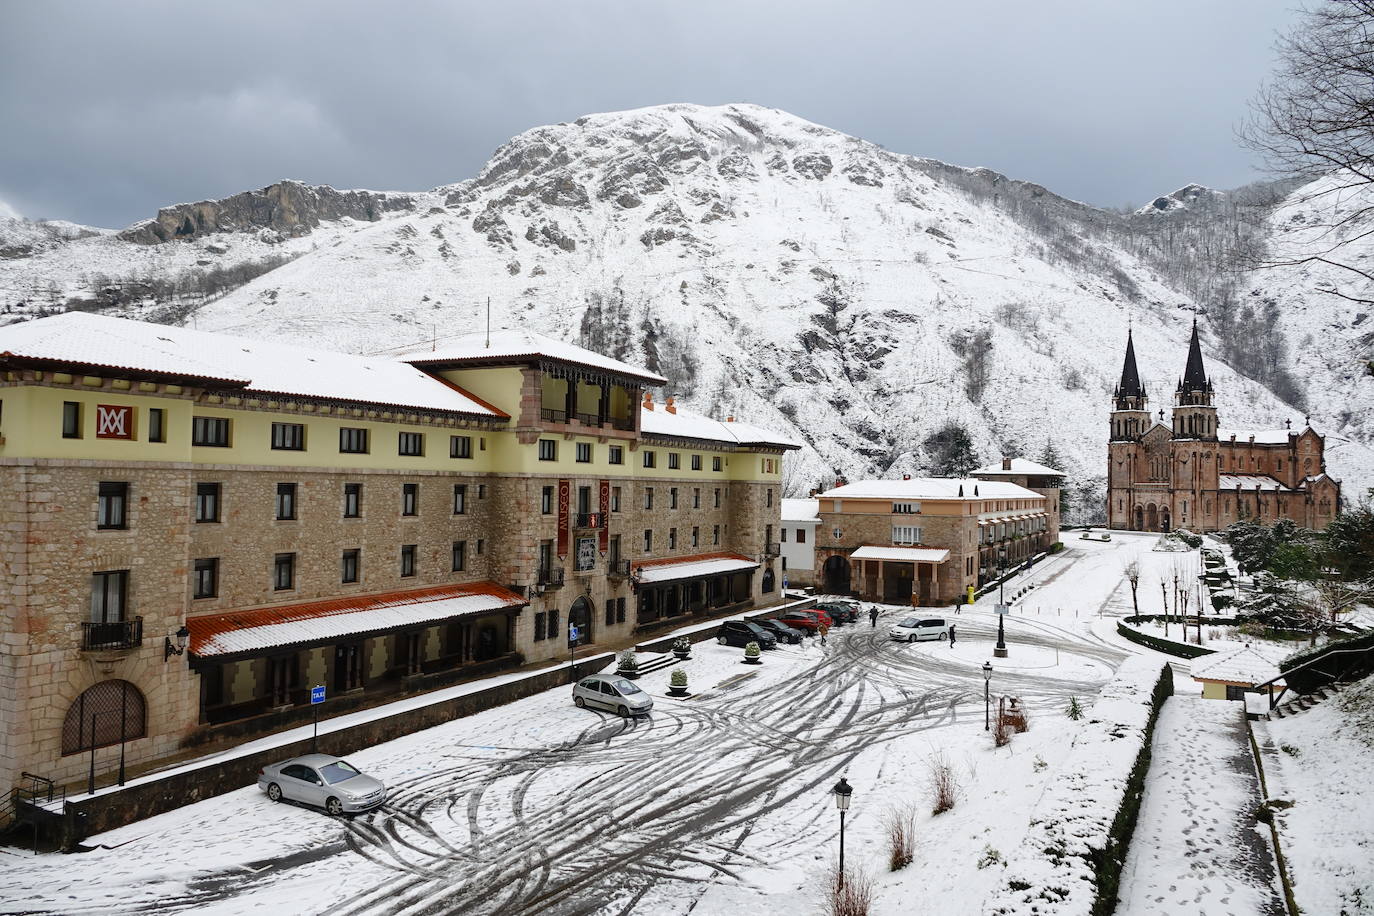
{"type": "Point", "coordinates": [111, 110]}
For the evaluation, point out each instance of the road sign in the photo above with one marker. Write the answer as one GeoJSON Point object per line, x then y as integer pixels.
{"type": "Point", "coordinates": [316, 695]}
{"type": "Point", "coordinates": [573, 633]}
{"type": "Point", "coordinates": [1002, 609]}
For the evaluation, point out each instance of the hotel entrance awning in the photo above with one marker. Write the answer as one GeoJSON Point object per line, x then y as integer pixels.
{"type": "Point", "coordinates": [901, 554]}
{"type": "Point", "coordinates": [316, 622]}
{"type": "Point", "coordinates": [711, 564]}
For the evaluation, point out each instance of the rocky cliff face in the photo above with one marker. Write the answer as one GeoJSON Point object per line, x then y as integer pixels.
{"type": "Point", "coordinates": [286, 209]}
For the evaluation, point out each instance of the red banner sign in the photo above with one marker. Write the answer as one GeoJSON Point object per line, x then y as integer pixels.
{"type": "Point", "coordinates": [114, 422]}
{"type": "Point", "coordinates": [605, 533]}
{"type": "Point", "coordinates": [564, 501]}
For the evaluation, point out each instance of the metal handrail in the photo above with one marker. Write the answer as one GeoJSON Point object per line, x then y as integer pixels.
{"type": "Point", "coordinates": [113, 634]}
{"type": "Point", "coordinates": [1274, 700]}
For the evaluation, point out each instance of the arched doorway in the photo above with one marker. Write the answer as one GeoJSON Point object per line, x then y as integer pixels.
{"type": "Point", "coordinates": [768, 580]}
{"type": "Point", "coordinates": [836, 572]}
{"type": "Point", "coordinates": [1164, 521]}
{"type": "Point", "coordinates": [108, 713]}
{"type": "Point", "coordinates": [580, 616]}
{"type": "Point", "coordinates": [1139, 519]}
{"type": "Point", "coordinates": [1151, 517]}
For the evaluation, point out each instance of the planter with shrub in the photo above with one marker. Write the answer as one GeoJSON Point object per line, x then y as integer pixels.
{"type": "Point", "coordinates": [682, 648]}
{"type": "Point", "coordinates": [627, 665]}
{"type": "Point", "coordinates": [677, 683]}
{"type": "Point", "coordinates": [751, 654]}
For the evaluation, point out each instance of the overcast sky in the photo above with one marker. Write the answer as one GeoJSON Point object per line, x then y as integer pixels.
{"type": "Point", "coordinates": [111, 110]}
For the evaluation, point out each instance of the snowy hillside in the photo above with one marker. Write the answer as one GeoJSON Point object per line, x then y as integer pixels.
{"type": "Point", "coordinates": [809, 280]}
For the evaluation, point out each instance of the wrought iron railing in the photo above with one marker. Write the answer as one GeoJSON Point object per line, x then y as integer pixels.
{"type": "Point", "coordinates": [551, 577]}
{"type": "Point", "coordinates": [772, 549]}
{"type": "Point", "coordinates": [589, 520]}
{"type": "Point", "coordinates": [114, 634]}
{"type": "Point", "coordinates": [619, 569]}
{"type": "Point", "coordinates": [553, 415]}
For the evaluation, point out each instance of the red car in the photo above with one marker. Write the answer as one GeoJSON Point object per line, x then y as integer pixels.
{"type": "Point", "coordinates": [810, 621]}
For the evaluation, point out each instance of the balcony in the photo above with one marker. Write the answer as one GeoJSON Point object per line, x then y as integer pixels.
{"type": "Point", "coordinates": [589, 520]}
{"type": "Point", "coordinates": [117, 634]}
{"type": "Point", "coordinates": [550, 415]}
{"type": "Point", "coordinates": [551, 577]}
{"type": "Point", "coordinates": [772, 549]}
{"type": "Point", "coordinates": [618, 569]}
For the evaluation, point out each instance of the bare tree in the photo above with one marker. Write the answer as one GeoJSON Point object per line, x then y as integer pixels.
{"type": "Point", "coordinates": [1316, 116]}
{"type": "Point", "coordinates": [1320, 604]}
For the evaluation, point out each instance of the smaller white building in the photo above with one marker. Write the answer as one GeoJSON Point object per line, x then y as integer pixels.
{"type": "Point", "coordinates": [798, 540]}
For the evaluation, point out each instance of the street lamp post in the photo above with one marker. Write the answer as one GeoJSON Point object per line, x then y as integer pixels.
{"type": "Point", "coordinates": [1000, 650]}
{"type": "Point", "coordinates": [842, 792]}
{"type": "Point", "coordinates": [987, 696]}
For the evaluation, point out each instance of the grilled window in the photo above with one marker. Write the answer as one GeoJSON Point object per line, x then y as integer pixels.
{"type": "Point", "coordinates": [104, 715]}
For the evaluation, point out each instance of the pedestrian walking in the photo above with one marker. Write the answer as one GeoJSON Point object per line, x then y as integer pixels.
{"type": "Point", "coordinates": [951, 636]}
{"type": "Point", "coordinates": [873, 616]}
{"type": "Point", "coordinates": [824, 630]}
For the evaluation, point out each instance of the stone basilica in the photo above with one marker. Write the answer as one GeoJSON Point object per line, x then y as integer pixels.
{"type": "Point", "coordinates": [1195, 475]}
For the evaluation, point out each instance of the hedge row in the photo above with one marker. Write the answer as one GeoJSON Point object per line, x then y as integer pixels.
{"type": "Point", "coordinates": [1167, 646]}
{"type": "Point", "coordinates": [1070, 862]}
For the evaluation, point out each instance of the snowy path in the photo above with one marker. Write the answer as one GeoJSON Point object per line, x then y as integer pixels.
{"type": "Point", "coordinates": [1197, 847]}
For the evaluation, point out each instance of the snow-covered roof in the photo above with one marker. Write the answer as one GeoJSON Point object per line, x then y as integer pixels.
{"type": "Point", "coordinates": [1261, 436]}
{"type": "Point", "coordinates": [901, 554]}
{"type": "Point", "coordinates": [686, 424]}
{"type": "Point", "coordinates": [691, 567]}
{"type": "Point", "coordinates": [801, 510]}
{"type": "Point", "coordinates": [1019, 466]}
{"type": "Point", "coordinates": [1250, 482]}
{"type": "Point", "coordinates": [98, 343]}
{"type": "Point", "coordinates": [319, 621]}
{"type": "Point", "coordinates": [1245, 665]}
{"type": "Point", "coordinates": [521, 346]}
{"type": "Point", "coordinates": [931, 488]}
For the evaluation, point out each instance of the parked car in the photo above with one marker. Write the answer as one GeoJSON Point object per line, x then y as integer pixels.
{"type": "Point", "coordinates": [840, 611]}
{"type": "Point", "coordinates": [916, 628]}
{"type": "Point", "coordinates": [324, 781]}
{"type": "Point", "coordinates": [743, 632]}
{"type": "Point", "coordinates": [808, 620]}
{"type": "Point", "coordinates": [614, 693]}
{"type": "Point", "coordinates": [782, 631]}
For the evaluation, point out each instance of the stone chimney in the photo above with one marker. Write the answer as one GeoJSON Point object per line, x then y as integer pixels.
{"type": "Point", "coordinates": [670, 406]}
{"type": "Point", "coordinates": [1006, 464]}
{"type": "Point", "coordinates": [648, 400]}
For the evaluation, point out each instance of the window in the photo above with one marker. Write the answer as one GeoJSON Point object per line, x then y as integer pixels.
{"type": "Point", "coordinates": [460, 446]}
{"type": "Point", "coordinates": [481, 491]}
{"type": "Point", "coordinates": [286, 501]}
{"type": "Point", "coordinates": [460, 499]}
{"type": "Point", "coordinates": [782, 535]}
{"type": "Point", "coordinates": [906, 534]}
{"type": "Point", "coordinates": [481, 546]}
{"type": "Point", "coordinates": [210, 432]}
{"type": "Point", "coordinates": [801, 535]}
{"type": "Point", "coordinates": [348, 566]}
{"type": "Point", "coordinates": [715, 463]}
{"type": "Point", "coordinates": [407, 560]}
{"type": "Point", "coordinates": [584, 452]}
{"type": "Point", "coordinates": [410, 444]}
{"type": "Point", "coordinates": [620, 610]}
{"type": "Point", "coordinates": [548, 450]}
{"type": "Point", "coordinates": [71, 420]}
{"type": "Point", "coordinates": [584, 500]}
{"type": "Point", "coordinates": [108, 593]}
{"type": "Point", "coordinates": [112, 503]}
{"type": "Point", "coordinates": [157, 424]}
{"type": "Point", "coordinates": [696, 497]}
{"type": "Point", "coordinates": [715, 534]}
{"type": "Point", "coordinates": [674, 461]}
{"type": "Point", "coordinates": [546, 500]}
{"type": "Point", "coordinates": [553, 624]}
{"type": "Point", "coordinates": [614, 549]}
{"type": "Point", "coordinates": [353, 440]}
{"type": "Point", "coordinates": [905, 508]}
{"type": "Point", "coordinates": [696, 462]}
{"type": "Point", "coordinates": [769, 501]}
{"type": "Point", "coordinates": [672, 497]}
{"type": "Point", "coordinates": [288, 436]}
{"type": "Point", "coordinates": [207, 502]}
{"type": "Point", "coordinates": [353, 500]}
{"type": "Point", "coordinates": [648, 540]}
{"type": "Point", "coordinates": [539, 626]}
{"type": "Point", "coordinates": [649, 459]}
{"type": "Point", "coordinates": [616, 454]}
{"type": "Point", "coordinates": [207, 578]}
{"type": "Point", "coordinates": [672, 539]}
{"type": "Point", "coordinates": [615, 499]}
{"type": "Point", "coordinates": [696, 536]}
{"type": "Point", "coordinates": [410, 499]}
{"type": "Point", "coordinates": [283, 572]}
{"type": "Point", "coordinates": [648, 497]}
{"type": "Point", "coordinates": [716, 498]}
{"type": "Point", "coordinates": [460, 556]}
{"type": "Point", "coordinates": [610, 612]}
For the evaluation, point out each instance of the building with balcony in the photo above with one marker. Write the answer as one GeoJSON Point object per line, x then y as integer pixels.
{"type": "Point", "coordinates": [197, 529]}
{"type": "Point", "coordinates": [925, 541]}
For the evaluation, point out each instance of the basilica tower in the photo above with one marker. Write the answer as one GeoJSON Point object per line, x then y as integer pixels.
{"type": "Point", "coordinates": [1194, 415]}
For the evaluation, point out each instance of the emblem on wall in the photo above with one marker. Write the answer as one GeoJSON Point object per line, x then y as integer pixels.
{"type": "Point", "coordinates": [836, 534]}
{"type": "Point", "coordinates": [114, 422]}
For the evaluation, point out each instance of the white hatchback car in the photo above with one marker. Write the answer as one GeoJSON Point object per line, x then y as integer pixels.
{"type": "Point", "coordinates": [617, 694]}
{"type": "Point", "coordinates": [916, 628]}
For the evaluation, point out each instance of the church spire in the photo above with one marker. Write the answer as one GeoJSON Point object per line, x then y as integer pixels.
{"type": "Point", "coordinates": [1130, 376]}
{"type": "Point", "coordinates": [1194, 376]}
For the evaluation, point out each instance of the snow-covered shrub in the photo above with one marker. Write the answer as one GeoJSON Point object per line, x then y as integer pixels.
{"type": "Point", "coordinates": [944, 784]}
{"type": "Point", "coordinates": [1001, 730]}
{"type": "Point", "coordinates": [678, 678]}
{"type": "Point", "coordinates": [1070, 861]}
{"type": "Point", "coordinates": [849, 893]}
{"type": "Point", "coordinates": [901, 837]}
{"type": "Point", "coordinates": [751, 650]}
{"type": "Point", "coordinates": [627, 661]}
{"type": "Point", "coordinates": [989, 857]}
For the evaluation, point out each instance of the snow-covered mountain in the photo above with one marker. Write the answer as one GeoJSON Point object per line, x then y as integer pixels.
{"type": "Point", "coordinates": [768, 266]}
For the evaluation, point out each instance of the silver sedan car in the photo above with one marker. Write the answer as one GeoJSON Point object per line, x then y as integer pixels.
{"type": "Point", "coordinates": [617, 694]}
{"type": "Point", "coordinates": [324, 781]}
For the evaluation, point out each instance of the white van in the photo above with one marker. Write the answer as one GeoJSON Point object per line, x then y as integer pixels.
{"type": "Point", "coordinates": [916, 628]}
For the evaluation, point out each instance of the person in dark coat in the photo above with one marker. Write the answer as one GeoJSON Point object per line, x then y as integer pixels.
{"type": "Point", "coordinates": [873, 616]}
{"type": "Point", "coordinates": [951, 636]}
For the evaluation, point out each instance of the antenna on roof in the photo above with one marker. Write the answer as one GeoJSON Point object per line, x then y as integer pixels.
{"type": "Point", "coordinates": [487, 345]}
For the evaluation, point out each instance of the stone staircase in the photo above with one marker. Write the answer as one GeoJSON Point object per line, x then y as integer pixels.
{"type": "Point", "coordinates": [1306, 701]}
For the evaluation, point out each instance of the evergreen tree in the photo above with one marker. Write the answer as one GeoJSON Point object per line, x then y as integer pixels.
{"type": "Point", "coordinates": [1050, 459]}
{"type": "Point", "coordinates": [951, 451]}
